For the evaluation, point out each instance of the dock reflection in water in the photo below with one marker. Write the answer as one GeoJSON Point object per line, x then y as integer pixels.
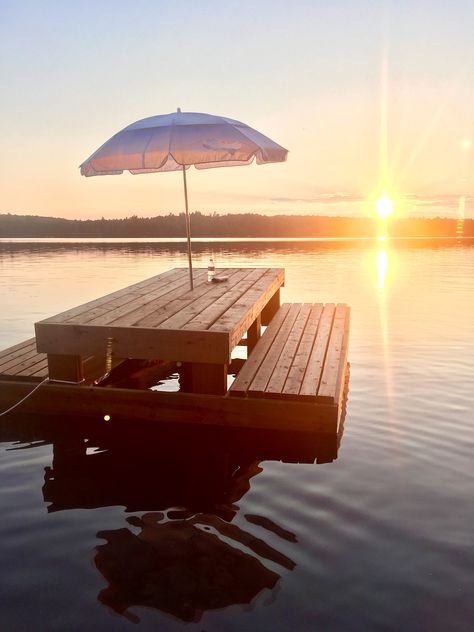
{"type": "Point", "coordinates": [185, 555]}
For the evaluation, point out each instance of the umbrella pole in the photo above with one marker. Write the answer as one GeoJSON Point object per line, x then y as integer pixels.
{"type": "Point", "coordinates": [188, 229]}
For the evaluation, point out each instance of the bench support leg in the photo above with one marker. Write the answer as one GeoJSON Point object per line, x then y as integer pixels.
{"type": "Point", "coordinates": [209, 379]}
{"type": "Point", "coordinates": [271, 308]}
{"type": "Point", "coordinates": [253, 334]}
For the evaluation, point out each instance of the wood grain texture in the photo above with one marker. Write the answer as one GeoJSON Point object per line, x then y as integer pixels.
{"type": "Point", "coordinates": [260, 381]}
{"type": "Point", "coordinates": [126, 405]}
{"type": "Point", "coordinates": [161, 318]}
{"type": "Point", "coordinates": [332, 361]}
{"type": "Point", "coordinates": [283, 365]}
{"type": "Point", "coordinates": [146, 344]}
{"type": "Point", "coordinates": [240, 316]}
{"type": "Point", "coordinates": [103, 302]}
{"type": "Point", "coordinates": [232, 295]}
{"type": "Point", "coordinates": [299, 365]}
{"type": "Point", "coordinates": [245, 376]}
{"type": "Point", "coordinates": [302, 356]}
{"type": "Point", "coordinates": [312, 377]}
{"type": "Point", "coordinates": [180, 312]}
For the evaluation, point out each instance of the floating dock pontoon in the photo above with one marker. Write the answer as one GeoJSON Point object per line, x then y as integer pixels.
{"type": "Point", "coordinates": [101, 359]}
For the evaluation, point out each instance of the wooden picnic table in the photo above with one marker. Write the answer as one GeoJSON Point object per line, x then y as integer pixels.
{"type": "Point", "coordinates": [162, 319]}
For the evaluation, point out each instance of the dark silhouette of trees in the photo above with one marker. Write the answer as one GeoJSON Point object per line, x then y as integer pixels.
{"type": "Point", "coordinates": [229, 225]}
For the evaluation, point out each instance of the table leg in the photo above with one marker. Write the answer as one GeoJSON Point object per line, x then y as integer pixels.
{"type": "Point", "coordinates": [65, 367]}
{"type": "Point", "coordinates": [209, 379]}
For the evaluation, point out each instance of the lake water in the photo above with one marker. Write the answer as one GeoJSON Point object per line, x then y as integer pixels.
{"type": "Point", "coordinates": [208, 536]}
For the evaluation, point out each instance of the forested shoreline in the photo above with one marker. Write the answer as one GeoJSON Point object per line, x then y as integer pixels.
{"type": "Point", "coordinates": [230, 225]}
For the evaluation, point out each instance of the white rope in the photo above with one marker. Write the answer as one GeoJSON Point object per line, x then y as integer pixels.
{"type": "Point", "coordinates": [52, 380]}
{"type": "Point", "coordinates": [24, 398]}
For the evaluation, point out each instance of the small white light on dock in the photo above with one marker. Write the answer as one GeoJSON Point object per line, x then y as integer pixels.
{"type": "Point", "coordinates": [178, 363]}
{"type": "Point", "coordinates": [106, 417]}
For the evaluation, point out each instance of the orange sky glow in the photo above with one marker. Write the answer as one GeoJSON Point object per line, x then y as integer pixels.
{"type": "Point", "coordinates": [367, 99]}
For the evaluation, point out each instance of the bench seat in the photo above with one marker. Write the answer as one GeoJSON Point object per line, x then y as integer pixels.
{"type": "Point", "coordinates": [302, 355]}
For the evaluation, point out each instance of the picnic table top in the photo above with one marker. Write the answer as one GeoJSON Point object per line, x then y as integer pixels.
{"type": "Point", "coordinates": [162, 318]}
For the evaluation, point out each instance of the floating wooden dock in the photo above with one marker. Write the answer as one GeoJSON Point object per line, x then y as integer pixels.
{"type": "Point", "coordinates": [293, 377]}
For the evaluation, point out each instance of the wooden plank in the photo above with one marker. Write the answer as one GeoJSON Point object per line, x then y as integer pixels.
{"type": "Point", "coordinates": [22, 367]}
{"type": "Point", "coordinates": [238, 318]}
{"type": "Point", "coordinates": [330, 377]}
{"type": "Point", "coordinates": [146, 314]}
{"type": "Point", "coordinates": [104, 300]}
{"type": "Point", "coordinates": [285, 361]}
{"type": "Point", "coordinates": [213, 312]}
{"type": "Point", "coordinates": [249, 370]}
{"type": "Point", "coordinates": [309, 387]}
{"type": "Point", "coordinates": [40, 371]}
{"type": "Point", "coordinates": [265, 371]}
{"type": "Point", "coordinates": [32, 363]}
{"type": "Point", "coordinates": [140, 343]}
{"type": "Point", "coordinates": [125, 406]}
{"type": "Point", "coordinates": [94, 312]}
{"type": "Point", "coordinates": [125, 296]}
{"type": "Point", "coordinates": [127, 301]}
{"type": "Point", "coordinates": [297, 371]}
{"type": "Point", "coordinates": [343, 375]}
{"type": "Point", "coordinates": [18, 349]}
{"type": "Point", "coordinates": [22, 359]}
{"type": "Point", "coordinates": [127, 311]}
{"type": "Point", "coordinates": [101, 310]}
{"type": "Point", "coordinates": [179, 312]}
{"type": "Point", "coordinates": [23, 355]}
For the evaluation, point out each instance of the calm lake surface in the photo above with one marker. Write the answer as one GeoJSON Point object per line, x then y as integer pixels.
{"type": "Point", "coordinates": [381, 538]}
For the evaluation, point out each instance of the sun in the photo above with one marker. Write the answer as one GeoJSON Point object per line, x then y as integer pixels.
{"type": "Point", "coordinates": [384, 206]}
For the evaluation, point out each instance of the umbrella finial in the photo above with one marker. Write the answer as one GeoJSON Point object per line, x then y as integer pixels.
{"type": "Point", "coordinates": [178, 110]}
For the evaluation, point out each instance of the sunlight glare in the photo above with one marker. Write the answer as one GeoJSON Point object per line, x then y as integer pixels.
{"type": "Point", "coordinates": [384, 206]}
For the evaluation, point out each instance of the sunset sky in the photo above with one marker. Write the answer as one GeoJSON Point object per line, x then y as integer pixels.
{"type": "Point", "coordinates": [366, 95]}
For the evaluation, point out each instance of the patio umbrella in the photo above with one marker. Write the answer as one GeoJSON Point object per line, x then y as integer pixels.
{"type": "Point", "coordinates": [174, 142]}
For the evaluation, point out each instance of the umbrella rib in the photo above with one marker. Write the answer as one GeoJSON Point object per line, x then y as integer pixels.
{"type": "Point", "coordinates": [227, 163]}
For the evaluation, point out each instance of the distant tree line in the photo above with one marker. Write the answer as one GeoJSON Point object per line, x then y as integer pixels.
{"type": "Point", "coordinates": [230, 225]}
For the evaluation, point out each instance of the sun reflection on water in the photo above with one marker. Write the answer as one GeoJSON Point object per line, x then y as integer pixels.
{"type": "Point", "coordinates": [383, 275]}
{"type": "Point", "coordinates": [461, 215]}
{"type": "Point", "coordinates": [382, 267]}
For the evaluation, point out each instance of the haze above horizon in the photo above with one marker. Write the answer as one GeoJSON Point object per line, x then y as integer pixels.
{"type": "Point", "coordinates": [367, 98]}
